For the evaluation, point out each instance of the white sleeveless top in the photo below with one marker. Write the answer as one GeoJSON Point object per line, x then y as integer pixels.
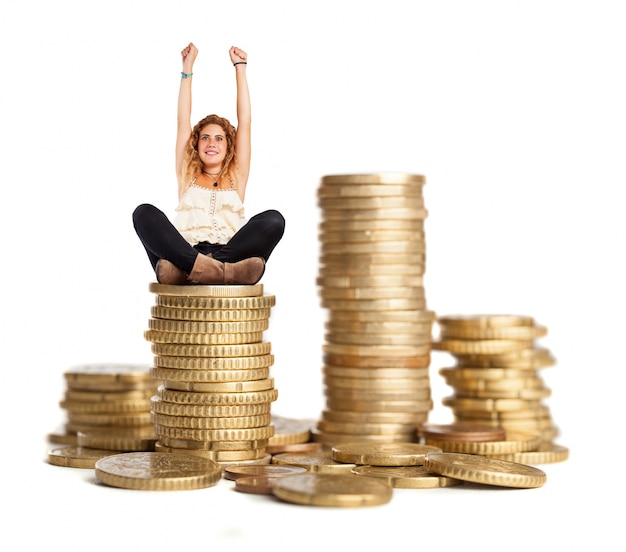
{"type": "Point", "coordinates": [205, 215]}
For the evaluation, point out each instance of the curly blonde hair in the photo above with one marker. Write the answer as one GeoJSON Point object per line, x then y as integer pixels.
{"type": "Point", "coordinates": [192, 166]}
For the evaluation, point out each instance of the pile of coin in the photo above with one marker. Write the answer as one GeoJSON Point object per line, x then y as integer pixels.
{"type": "Point", "coordinates": [107, 408]}
{"type": "Point", "coordinates": [216, 393]}
{"type": "Point", "coordinates": [378, 336]}
{"type": "Point", "coordinates": [365, 473]}
{"type": "Point", "coordinates": [496, 378]}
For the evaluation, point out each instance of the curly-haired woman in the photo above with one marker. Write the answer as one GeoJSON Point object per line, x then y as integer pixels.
{"type": "Point", "coordinates": [210, 241]}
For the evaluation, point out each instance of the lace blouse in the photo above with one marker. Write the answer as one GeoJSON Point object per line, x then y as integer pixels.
{"type": "Point", "coordinates": [209, 215]}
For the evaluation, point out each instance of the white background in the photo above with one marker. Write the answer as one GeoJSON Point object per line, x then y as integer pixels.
{"type": "Point", "coordinates": [514, 112]}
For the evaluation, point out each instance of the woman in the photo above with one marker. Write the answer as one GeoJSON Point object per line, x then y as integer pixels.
{"type": "Point", "coordinates": [210, 241]}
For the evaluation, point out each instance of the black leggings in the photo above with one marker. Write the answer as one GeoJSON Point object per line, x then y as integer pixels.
{"type": "Point", "coordinates": [161, 240]}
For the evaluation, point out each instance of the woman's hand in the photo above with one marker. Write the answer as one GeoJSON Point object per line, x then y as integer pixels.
{"type": "Point", "coordinates": [189, 54]}
{"type": "Point", "coordinates": [237, 54]}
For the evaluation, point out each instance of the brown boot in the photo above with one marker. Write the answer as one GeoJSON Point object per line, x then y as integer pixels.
{"type": "Point", "coordinates": [170, 274]}
{"type": "Point", "coordinates": [207, 270]}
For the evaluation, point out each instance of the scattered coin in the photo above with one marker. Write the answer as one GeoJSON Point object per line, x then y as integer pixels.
{"type": "Point", "coordinates": [316, 489]}
{"type": "Point", "coordinates": [487, 471]}
{"type": "Point", "coordinates": [155, 471]}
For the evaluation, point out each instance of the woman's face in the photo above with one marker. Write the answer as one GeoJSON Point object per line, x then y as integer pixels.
{"type": "Point", "coordinates": [212, 145]}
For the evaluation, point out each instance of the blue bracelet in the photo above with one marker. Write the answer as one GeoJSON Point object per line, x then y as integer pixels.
{"type": "Point", "coordinates": [185, 75]}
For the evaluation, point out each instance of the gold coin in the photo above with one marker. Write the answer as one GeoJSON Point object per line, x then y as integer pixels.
{"type": "Point", "coordinates": [388, 213]}
{"type": "Point", "coordinates": [330, 294]}
{"type": "Point", "coordinates": [316, 489]}
{"type": "Point", "coordinates": [504, 332]}
{"type": "Point", "coordinates": [455, 374]}
{"type": "Point", "coordinates": [370, 340]}
{"type": "Point", "coordinates": [222, 386]}
{"type": "Point", "coordinates": [63, 437]}
{"type": "Point", "coordinates": [238, 434]}
{"type": "Point", "coordinates": [214, 363]}
{"type": "Point", "coordinates": [234, 473]}
{"type": "Point", "coordinates": [382, 454]}
{"type": "Point", "coordinates": [394, 316]}
{"type": "Point", "coordinates": [368, 190]}
{"type": "Point", "coordinates": [375, 362]}
{"type": "Point", "coordinates": [383, 373]}
{"type": "Point", "coordinates": [488, 405]}
{"type": "Point", "coordinates": [461, 431]}
{"type": "Point", "coordinates": [77, 457]}
{"type": "Point", "coordinates": [407, 477]}
{"type": "Point", "coordinates": [330, 439]}
{"type": "Point", "coordinates": [486, 320]}
{"type": "Point", "coordinates": [347, 261]}
{"type": "Point", "coordinates": [210, 315]}
{"type": "Point", "coordinates": [377, 305]}
{"type": "Point", "coordinates": [307, 447]}
{"type": "Point", "coordinates": [546, 453]}
{"type": "Point", "coordinates": [348, 281]}
{"type": "Point", "coordinates": [208, 410]}
{"type": "Point", "coordinates": [96, 396]}
{"type": "Point", "coordinates": [363, 269]}
{"type": "Point", "coordinates": [171, 374]}
{"type": "Point", "coordinates": [218, 456]}
{"type": "Point", "coordinates": [487, 471]}
{"type": "Point", "coordinates": [219, 398]}
{"type": "Point", "coordinates": [132, 419]}
{"type": "Point", "coordinates": [327, 237]}
{"type": "Point", "coordinates": [212, 446]}
{"type": "Point", "coordinates": [263, 460]}
{"type": "Point", "coordinates": [376, 350]}
{"type": "Point", "coordinates": [231, 350]}
{"type": "Point", "coordinates": [106, 407]}
{"type": "Point", "coordinates": [108, 377]}
{"type": "Point", "coordinates": [525, 411]}
{"type": "Point", "coordinates": [484, 346]}
{"type": "Point", "coordinates": [373, 248]}
{"type": "Point", "coordinates": [290, 430]}
{"type": "Point", "coordinates": [382, 326]}
{"type": "Point", "coordinates": [216, 303]}
{"type": "Point", "coordinates": [207, 422]}
{"type": "Point", "coordinates": [154, 471]}
{"type": "Point", "coordinates": [360, 428]}
{"type": "Point", "coordinates": [530, 358]}
{"type": "Point", "coordinates": [330, 204]}
{"type": "Point", "coordinates": [193, 327]}
{"type": "Point", "coordinates": [414, 418]}
{"type": "Point", "coordinates": [373, 179]}
{"type": "Point", "coordinates": [314, 462]}
{"type": "Point", "coordinates": [370, 405]}
{"type": "Point", "coordinates": [119, 439]}
{"type": "Point", "coordinates": [514, 442]}
{"type": "Point", "coordinates": [207, 290]}
{"type": "Point", "coordinates": [377, 384]}
{"type": "Point", "coordinates": [415, 394]}
{"type": "Point", "coordinates": [388, 225]}
{"type": "Point", "coordinates": [202, 338]}
{"type": "Point", "coordinates": [525, 394]}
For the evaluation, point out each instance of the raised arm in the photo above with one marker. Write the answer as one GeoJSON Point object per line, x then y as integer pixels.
{"type": "Point", "coordinates": [243, 142]}
{"type": "Point", "coordinates": [183, 132]}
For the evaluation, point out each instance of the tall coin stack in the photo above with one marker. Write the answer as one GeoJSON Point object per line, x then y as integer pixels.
{"type": "Point", "coordinates": [378, 331]}
{"type": "Point", "coordinates": [496, 379]}
{"type": "Point", "coordinates": [216, 395]}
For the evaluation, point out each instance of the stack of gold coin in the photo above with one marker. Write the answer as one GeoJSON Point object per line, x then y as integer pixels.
{"type": "Point", "coordinates": [378, 330]}
{"type": "Point", "coordinates": [216, 393]}
{"type": "Point", "coordinates": [108, 407]}
{"type": "Point", "coordinates": [496, 378]}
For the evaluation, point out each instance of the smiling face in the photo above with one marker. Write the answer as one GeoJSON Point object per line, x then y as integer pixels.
{"type": "Point", "coordinates": [212, 147]}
